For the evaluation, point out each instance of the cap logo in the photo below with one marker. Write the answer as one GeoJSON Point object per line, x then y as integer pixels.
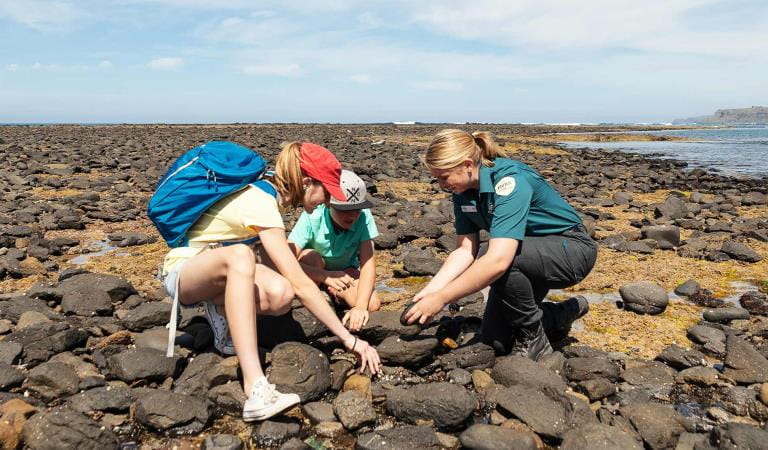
{"type": "Point", "coordinates": [353, 194]}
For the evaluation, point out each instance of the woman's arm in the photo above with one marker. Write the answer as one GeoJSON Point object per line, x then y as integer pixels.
{"type": "Point", "coordinates": [276, 245]}
{"type": "Point", "coordinates": [458, 261]}
{"type": "Point", "coordinates": [483, 272]}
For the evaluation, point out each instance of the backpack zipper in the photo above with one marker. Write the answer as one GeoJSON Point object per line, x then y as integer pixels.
{"type": "Point", "coordinates": [191, 161]}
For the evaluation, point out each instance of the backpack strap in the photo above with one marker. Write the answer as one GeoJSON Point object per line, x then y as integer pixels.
{"type": "Point", "coordinates": [265, 186]}
{"type": "Point", "coordinates": [174, 320]}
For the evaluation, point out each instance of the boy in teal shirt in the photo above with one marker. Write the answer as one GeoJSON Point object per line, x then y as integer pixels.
{"type": "Point", "coordinates": [334, 246]}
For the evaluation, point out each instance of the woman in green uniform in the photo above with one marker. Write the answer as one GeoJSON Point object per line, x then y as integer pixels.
{"type": "Point", "coordinates": [537, 243]}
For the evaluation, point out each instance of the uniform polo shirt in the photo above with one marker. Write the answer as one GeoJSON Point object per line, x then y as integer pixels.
{"type": "Point", "coordinates": [512, 201]}
{"type": "Point", "coordinates": [340, 249]}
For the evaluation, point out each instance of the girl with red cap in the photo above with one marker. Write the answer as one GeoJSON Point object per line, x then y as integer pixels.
{"type": "Point", "coordinates": [236, 288]}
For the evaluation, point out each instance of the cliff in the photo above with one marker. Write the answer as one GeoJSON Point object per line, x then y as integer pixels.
{"type": "Point", "coordinates": [753, 115]}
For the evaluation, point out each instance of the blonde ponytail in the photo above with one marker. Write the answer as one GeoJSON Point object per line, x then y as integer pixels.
{"type": "Point", "coordinates": [288, 176]}
{"type": "Point", "coordinates": [450, 147]}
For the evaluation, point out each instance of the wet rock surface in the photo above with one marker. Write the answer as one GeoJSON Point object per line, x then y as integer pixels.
{"type": "Point", "coordinates": [86, 348]}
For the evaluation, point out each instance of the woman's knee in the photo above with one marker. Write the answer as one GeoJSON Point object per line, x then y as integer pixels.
{"type": "Point", "coordinates": [241, 261]}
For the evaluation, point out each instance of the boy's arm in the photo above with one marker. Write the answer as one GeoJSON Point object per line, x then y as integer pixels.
{"type": "Point", "coordinates": [367, 275]}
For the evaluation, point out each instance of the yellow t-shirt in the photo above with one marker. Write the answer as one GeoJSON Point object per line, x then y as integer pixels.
{"type": "Point", "coordinates": [239, 216]}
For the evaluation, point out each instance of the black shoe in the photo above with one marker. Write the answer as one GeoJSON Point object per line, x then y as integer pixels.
{"type": "Point", "coordinates": [567, 313]}
{"type": "Point", "coordinates": [531, 342]}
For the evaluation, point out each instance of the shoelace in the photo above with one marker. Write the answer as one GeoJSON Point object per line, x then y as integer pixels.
{"type": "Point", "coordinates": [269, 394]}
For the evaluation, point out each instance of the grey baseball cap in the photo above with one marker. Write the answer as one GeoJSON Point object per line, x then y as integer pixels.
{"type": "Point", "coordinates": [353, 188]}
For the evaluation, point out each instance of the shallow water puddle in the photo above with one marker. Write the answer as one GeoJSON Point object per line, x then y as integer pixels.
{"type": "Point", "coordinates": [384, 287]}
{"type": "Point", "coordinates": [102, 248]}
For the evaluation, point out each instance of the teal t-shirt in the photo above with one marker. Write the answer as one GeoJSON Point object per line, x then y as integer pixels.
{"type": "Point", "coordinates": [513, 201]}
{"type": "Point", "coordinates": [339, 248]}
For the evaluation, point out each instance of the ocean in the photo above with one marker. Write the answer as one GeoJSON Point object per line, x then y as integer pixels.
{"type": "Point", "coordinates": [730, 151]}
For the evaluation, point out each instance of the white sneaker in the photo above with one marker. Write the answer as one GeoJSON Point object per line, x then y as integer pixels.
{"type": "Point", "coordinates": [265, 401]}
{"type": "Point", "coordinates": [222, 340]}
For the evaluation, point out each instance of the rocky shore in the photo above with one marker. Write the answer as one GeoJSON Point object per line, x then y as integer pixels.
{"type": "Point", "coordinates": [672, 354]}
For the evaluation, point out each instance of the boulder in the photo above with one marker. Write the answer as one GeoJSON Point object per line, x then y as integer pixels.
{"type": "Point", "coordinates": [659, 425]}
{"type": "Point", "coordinates": [598, 436]}
{"type": "Point", "coordinates": [587, 368]}
{"type": "Point", "coordinates": [492, 437]}
{"type": "Point", "coordinates": [519, 370]}
{"type": "Point", "coordinates": [405, 437]}
{"type": "Point", "coordinates": [406, 351]}
{"type": "Point", "coordinates": [724, 315]}
{"type": "Point", "coordinates": [117, 288]}
{"type": "Point", "coordinates": [172, 413]}
{"type": "Point", "coordinates": [448, 405]}
{"type": "Point", "coordinates": [740, 252]}
{"type": "Point", "coordinates": [382, 324]}
{"type": "Point", "coordinates": [301, 369]}
{"type": "Point", "coordinates": [63, 428]}
{"type": "Point", "coordinates": [10, 376]}
{"type": "Point", "coordinates": [743, 363]}
{"type": "Point", "coordinates": [272, 433]}
{"type": "Point", "coordinates": [548, 412]}
{"type": "Point", "coordinates": [688, 288]}
{"type": "Point", "coordinates": [755, 302]}
{"type": "Point", "coordinates": [644, 297]}
{"type": "Point", "coordinates": [680, 358]}
{"type": "Point", "coordinates": [667, 236]}
{"type": "Point", "coordinates": [353, 410]}
{"type": "Point", "coordinates": [470, 357]}
{"type": "Point", "coordinates": [672, 208]}
{"type": "Point", "coordinates": [142, 364]}
{"type": "Point", "coordinates": [93, 302]}
{"type": "Point", "coordinates": [147, 315]}
{"type": "Point", "coordinates": [52, 380]}
{"type": "Point", "coordinates": [711, 339]}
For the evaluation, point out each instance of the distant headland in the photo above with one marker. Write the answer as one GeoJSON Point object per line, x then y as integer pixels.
{"type": "Point", "coordinates": [756, 115]}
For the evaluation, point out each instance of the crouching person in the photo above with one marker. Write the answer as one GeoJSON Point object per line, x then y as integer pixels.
{"type": "Point", "coordinates": [334, 245]}
{"type": "Point", "coordinates": [215, 263]}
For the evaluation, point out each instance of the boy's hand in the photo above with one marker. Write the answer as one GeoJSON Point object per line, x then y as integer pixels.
{"type": "Point", "coordinates": [339, 281]}
{"type": "Point", "coordinates": [357, 318]}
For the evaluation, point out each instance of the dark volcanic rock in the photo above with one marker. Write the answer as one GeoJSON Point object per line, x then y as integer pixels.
{"type": "Point", "coordinates": [711, 339]}
{"type": "Point", "coordinates": [90, 303]}
{"type": "Point", "coordinates": [470, 357]}
{"type": "Point", "coordinates": [446, 404]}
{"type": "Point", "coordinates": [737, 436]}
{"type": "Point", "coordinates": [117, 288]}
{"type": "Point", "coordinates": [597, 436]}
{"type": "Point", "coordinates": [652, 375]}
{"type": "Point", "coordinates": [353, 410]}
{"type": "Point", "coordinates": [659, 425]}
{"type": "Point", "coordinates": [672, 208]}
{"type": "Point", "coordinates": [406, 437]}
{"type": "Point", "coordinates": [722, 315]}
{"type": "Point", "coordinates": [406, 351]}
{"type": "Point", "coordinates": [492, 437]}
{"type": "Point", "coordinates": [53, 380]}
{"type": "Point", "coordinates": [10, 376]}
{"type": "Point", "coordinates": [688, 288]}
{"type": "Point", "coordinates": [113, 399]}
{"type": "Point", "coordinates": [597, 388]}
{"type": "Point", "coordinates": [300, 369]}
{"type": "Point", "coordinates": [514, 370]}
{"type": "Point", "coordinates": [644, 297]}
{"type": "Point", "coordinates": [383, 324]}
{"type": "Point", "coordinates": [171, 412]}
{"type": "Point", "coordinates": [421, 264]}
{"type": "Point", "coordinates": [580, 369]}
{"type": "Point", "coordinates": [142, 363]}
{"type": "Point", "coordinates": [741, 252]}
{"type": "Point", "coordinates": [667, 236]}
{"type": "Point", "coordinates": [755, 302]}
{"type": "Point", "coordinates": [63, 428]}
{"type": "Point", "coordinates": [271, 433]}
{"type": "Point", "coordinates": [548, 412]}
{"type": "Point", "coordinates": [147, 315]}
{"type": "Point", "coordinates": [41, 341]}
{"type": "Point", "coordinates": [680, 358]}
{"type": "Point", "coordinates": [743, 363]}
{"type": "Point", "coordinates": [9, 352]}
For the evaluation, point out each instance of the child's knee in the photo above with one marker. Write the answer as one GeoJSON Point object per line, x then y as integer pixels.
{"type": "Point", "coordinates": [375, 303]}
{"type": "Point", "coordinates": [280, 295]}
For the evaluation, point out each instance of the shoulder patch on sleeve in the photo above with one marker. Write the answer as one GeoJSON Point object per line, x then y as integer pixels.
{"type": "Point", "coordinates": [505, 186]}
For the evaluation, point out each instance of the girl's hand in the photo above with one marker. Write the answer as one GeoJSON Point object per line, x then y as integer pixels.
{"type": "Point", "coordinates": [339, 281]}
{"type": "Point", "coordinates": [356, 317]}
{"type": "Point", "coordinates": [367, 355]}
{"type": "Point", "coordinates": [424, 309]}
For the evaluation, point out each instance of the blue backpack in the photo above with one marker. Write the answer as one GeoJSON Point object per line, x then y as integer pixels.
{"type": "Point", "coordinates": [197, 180]}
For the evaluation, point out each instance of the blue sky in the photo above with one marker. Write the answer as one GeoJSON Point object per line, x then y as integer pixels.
{"type": "Point", "coordinates": [182, 61]}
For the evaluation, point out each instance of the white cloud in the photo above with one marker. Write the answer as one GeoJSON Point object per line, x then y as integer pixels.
{"type": "Point", "coordinates": [438, 85]}
{"type": "Point", "coordinates": [168, 63]}
{"type": "Point", "coordinates": [258, 29]}
{"type": "Point", "coordinates": [105, 64]}
{"type": "Point", "coordinates": [12, 67]}
{"type": "Point", "coordinates": [280, 70]}
{"type": "Point", "coordinates": [41, 15]}
{"type": "Point", "coordinates": [40, 67]}
{"type": "Point", "coordinates": [361, 78]}
{"type": "Point", "coordinates": [651, 25]}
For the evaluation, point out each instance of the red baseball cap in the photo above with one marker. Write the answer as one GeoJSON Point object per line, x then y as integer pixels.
{"type": "Point", "coordinates": [320, 164]}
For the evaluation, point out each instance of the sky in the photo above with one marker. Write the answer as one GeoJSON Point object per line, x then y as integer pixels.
{"type": "Point", "coordinates": [504, 61]}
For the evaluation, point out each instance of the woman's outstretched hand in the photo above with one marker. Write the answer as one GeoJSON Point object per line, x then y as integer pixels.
{"type": "Point", "coordinates": [424, 309]}
{"type": "Point", "coordinates": [367, 355]}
